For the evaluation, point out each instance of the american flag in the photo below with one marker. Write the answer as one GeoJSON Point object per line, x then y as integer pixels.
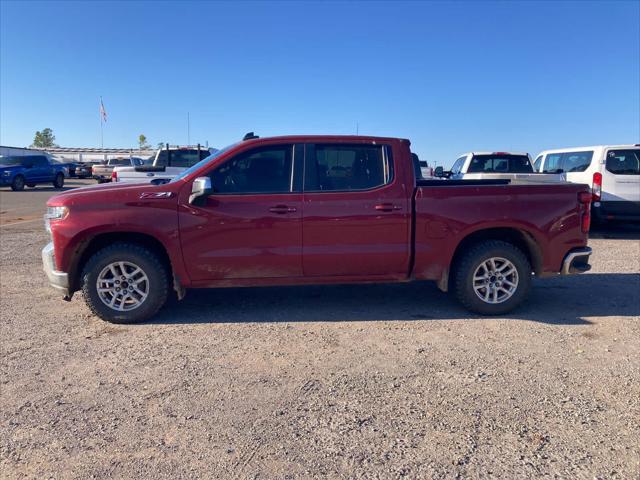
{"type": "Point", "coordinates": [103, 112]}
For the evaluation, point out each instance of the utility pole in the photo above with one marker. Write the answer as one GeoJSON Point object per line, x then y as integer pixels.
{"type": "Point", "coordinates": [188, 130]}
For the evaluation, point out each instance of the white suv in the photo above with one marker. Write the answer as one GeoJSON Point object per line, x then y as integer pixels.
{"type": "Point", "coordinates": [612, 171]}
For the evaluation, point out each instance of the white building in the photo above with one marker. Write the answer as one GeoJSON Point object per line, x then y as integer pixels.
{"type": "Point", "coordinates": [18, 151]}
{"type": "Point", "coordinates": [79, 155]}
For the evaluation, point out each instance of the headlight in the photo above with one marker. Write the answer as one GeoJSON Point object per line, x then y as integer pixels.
{"type": "Point", "coordinates": [54, 213]}
{"type": "Point", "coordinates": [6, 172]}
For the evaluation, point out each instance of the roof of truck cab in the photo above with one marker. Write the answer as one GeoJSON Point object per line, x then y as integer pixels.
{"type": "Point", "coordinates": [325, 138]}
{"type": "Point", "coordinates": [593, 147]}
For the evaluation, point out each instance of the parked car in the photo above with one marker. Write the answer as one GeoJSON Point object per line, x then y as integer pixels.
{"type": "Point", "coordinates": [613, 171]}
{"type": "Point", "coordinates": [515, 167]}
{"type": "Point", "coordinates": [166, 164]}
{"type": "Point", "coordinates": [84, 169]}
{"type": "Point", "coordinates": [237, 218]}
{"type": "Point", "coordinates": [102, 171]}
{"type": "Point", "coordinates": [69, 168]}
{"type": "Point", "coordinates": [29, 170]}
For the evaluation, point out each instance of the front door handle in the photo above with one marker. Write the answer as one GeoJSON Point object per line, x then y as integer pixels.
{"type": "Point", "coordinates": [282, 209]}
{"type": "Point", "coordinates": [387, 207]}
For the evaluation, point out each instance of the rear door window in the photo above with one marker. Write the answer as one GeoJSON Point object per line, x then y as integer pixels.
{"type": "Point", "coordinates": [576, 161]}
{"type": "Point", "coordinates": [500, 164]}
{"type": "Point", "coordinates": [623, 162]}
{"type": "Point", "coordinates": [552, 163]}
{"type": "Point", "coordinates": [39, 161]}
{"type": "Point", "coordinates": [342, 167]}
{"type": "Point", "coordinates": [567, 162]}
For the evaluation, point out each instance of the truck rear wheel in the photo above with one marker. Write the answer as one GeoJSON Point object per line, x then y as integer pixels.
{"type": "Point", "coordinates": [58, 182]}
{"type": "Point", "coordinates": [18, 183]}
{"type": "Point", "coordinates": [125, 283]}
{"type": "Point", "coordinates": [492, 277]}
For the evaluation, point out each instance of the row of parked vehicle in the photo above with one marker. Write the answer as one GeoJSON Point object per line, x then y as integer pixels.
{"type": "Point", "coordinates": [165, 164]}
{"type": "Point", "coordinates": [612, 171]}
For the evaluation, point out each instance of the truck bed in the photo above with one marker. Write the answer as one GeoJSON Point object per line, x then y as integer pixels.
{"type": "Point", "coordinates": [447, 211]}
{"type": "Point", "coordinates": [515, 178]}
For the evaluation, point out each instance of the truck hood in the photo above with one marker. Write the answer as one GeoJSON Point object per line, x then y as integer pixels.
{"type": "Point", "coordinates": [110, 192]}
{"type": "Point", "coordinates": [10, 167]}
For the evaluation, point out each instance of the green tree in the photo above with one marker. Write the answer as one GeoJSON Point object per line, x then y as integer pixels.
{"type": "Point", "coordinates": [44, 139]}
{"type": "Point", "coordinates": [142, 142]}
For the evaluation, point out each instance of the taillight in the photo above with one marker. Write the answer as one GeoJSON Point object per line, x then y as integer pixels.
{"type": "Point", "coordinates": [596, 188]}
{"type": "Point", "coordinates": [114, 176]}
{"type": "Point", "coordinates": [584, 198]}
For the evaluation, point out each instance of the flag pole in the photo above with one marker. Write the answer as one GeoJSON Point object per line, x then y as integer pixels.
{"type": "Point", "coordinates": [101, 126]}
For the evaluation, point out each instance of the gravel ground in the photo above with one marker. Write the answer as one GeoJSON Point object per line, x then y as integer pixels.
{"type": "Point", "coordinates": [380, 381]}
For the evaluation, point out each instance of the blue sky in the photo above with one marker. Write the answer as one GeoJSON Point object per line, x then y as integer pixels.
{"type": "Point", "coordinates": [452, 77]}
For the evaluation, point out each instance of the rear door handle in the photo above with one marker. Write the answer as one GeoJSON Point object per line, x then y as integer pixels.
{"type": "Point", "coordinates": [282, 209]}
{"type": "Point", "coordinates": [387, 207]}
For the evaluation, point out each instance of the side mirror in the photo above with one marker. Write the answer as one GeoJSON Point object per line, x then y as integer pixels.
{"type": "Point", "coordinates": [438, 172]}
{"type": "Point", "coordinates": [200, 189]}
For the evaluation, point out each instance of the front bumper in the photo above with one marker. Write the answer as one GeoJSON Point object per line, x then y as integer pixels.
{"type": "Point", "coordinates": [59, 280]}
{"type": "Point", "coordinates": [576, 261]}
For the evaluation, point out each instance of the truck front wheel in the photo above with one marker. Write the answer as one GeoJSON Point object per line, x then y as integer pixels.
{"type": "Point", "coordinates": [125, 283]}
{"type": "Point", "coordinates": [493, 277]}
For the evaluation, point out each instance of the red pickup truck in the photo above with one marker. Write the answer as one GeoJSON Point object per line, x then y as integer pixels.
{"type": "Point", "coordinates": [311, 210]}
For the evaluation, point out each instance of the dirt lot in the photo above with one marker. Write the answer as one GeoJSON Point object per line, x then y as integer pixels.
{"type": "Point", "coordinates": [344, 381]}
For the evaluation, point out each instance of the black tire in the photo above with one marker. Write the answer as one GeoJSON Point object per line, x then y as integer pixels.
{"type": "Point", "coordinates": [471, 260]}
{"type": "Point", "coordinates": [58, 182]}
{"type": "Point", "coordinates": [31, 185]}
{"type": "Point", "coordinates": [153, 268]}
{"type": "Point", "coordinates": [18, 183]}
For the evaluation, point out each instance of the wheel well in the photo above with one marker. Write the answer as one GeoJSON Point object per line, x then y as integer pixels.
{"type": "Point", "coordinates": [100, 241]}
{"type": "Point", "coordinates": [518, 238]}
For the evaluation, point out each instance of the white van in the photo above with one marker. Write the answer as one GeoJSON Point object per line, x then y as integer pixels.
{"type": "Point", "coordinates": [612, 171]}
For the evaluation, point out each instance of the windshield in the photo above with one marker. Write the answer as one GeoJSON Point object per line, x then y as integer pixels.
{"type": "Point", "coordinates": [202, 162]}
{"type": "Point", "coordinates": [10, 161]}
